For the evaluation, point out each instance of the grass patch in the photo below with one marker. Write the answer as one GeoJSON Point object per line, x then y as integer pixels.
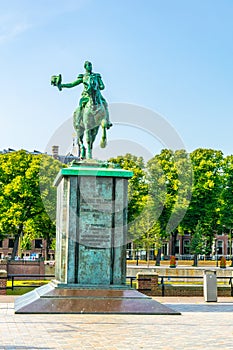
{"type": "Point", "coordinates": [21, 287]}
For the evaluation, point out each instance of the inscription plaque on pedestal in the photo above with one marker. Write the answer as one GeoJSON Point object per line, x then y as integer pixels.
{"type": "Point", "coordinates": [95, 212]}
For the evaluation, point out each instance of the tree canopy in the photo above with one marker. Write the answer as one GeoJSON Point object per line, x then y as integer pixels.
{"type": "Point", "coordinates": [175, 192]}
{"type": "Point", "coordinates": [188, 193]}
{"type": "Point", "coordinates": [27, 198]}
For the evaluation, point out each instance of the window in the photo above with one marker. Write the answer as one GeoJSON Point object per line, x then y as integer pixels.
{"type": "Point", "coordinates": [1, 244]}
{"type": "Point", "coordinates": [38, 243]}
{"type": "Point", "coordinates": [229, 248]}
{"type": "Point", "coordinates": [186, 246]}
{"type": "Point", "coordinates": [177, 247]}
{"type": "Point", "coordinates": [219, 247]}
{"type": "Point", "coordinates": [11, 243]}
{"type": "Point", "coordinates": [164, 249]}
{"type": "Point", "coordinates": [128, 246]}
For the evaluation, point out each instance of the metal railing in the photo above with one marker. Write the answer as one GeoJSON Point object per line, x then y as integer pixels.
{"type": "Point", "coordinates": [163, 284]}
{"type": "Point", "coordinates": [163, 280]}
{"type": "Point", "coordinates": [27, 277]}
{"type": "Point", "coordinates": [12, 277]}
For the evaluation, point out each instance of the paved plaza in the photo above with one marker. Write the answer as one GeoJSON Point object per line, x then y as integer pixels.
{"type": "Point", "coordinates": [201, 326]}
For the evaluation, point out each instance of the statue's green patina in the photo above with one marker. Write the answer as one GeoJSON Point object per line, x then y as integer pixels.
{"type": "Point", "coordinates": [92, 110]}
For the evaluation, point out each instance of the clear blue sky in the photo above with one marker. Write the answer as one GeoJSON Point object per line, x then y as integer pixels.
{"type": "Point", "coordinates": [174, 57]}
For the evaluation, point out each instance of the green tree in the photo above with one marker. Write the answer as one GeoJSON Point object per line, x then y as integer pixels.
{"type": "Point", "coordinates": [22, 210]}
{"type": "Point", "coordinates": [169, 177]}
{"type": "Point", "coordinates": [226, 201]}
{"type": "Point", "coordinates": [137, 193]}
{"type": "Point", "coordinates": [226, 197]}
{"type": "Point", "coordinates": [147, 229]}
{"type": "Point", "coordinates": [138, 188]}
{"type": "Point", "coordinates": [207, 187]}
{"type": "Point", "coordinates": [198, 243]}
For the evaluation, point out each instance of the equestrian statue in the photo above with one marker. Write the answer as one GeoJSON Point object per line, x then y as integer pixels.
{"type": "Point", "coordinates": [92, 111]}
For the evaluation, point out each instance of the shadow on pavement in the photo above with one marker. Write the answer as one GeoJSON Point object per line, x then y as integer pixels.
{"type": "Point", "coordinates": [202, 307]}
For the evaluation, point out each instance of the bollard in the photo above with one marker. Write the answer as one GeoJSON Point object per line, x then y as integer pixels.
{"type": "Point", "coordinates": [3, 282]}
{"type": "Point", "coordinates": [210, 285]}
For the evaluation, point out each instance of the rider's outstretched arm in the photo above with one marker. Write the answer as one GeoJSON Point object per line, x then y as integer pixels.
{"type": "Point", "coordinates": [78, 81]}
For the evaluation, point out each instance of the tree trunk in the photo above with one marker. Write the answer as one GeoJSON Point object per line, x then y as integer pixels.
{"type": "Point", "coordinates": [195, 260]}
{"type": "Point", "coordinates": [48, 243]}
{"type": "Point", "coordinates": [173, 243]}
{"type": "Point", "coordinates": [16, 244]}
{"type": "Point", "coordinates": [148, 257]}
{"type": "Point", "coordinates": [158, 257]}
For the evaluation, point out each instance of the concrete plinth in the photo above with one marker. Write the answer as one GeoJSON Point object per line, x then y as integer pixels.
{"type": "Point", "coordinates": [50, 299]}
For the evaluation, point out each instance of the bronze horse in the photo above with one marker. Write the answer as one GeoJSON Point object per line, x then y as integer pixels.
{"type": "Point", "coordinates": [89, 119]}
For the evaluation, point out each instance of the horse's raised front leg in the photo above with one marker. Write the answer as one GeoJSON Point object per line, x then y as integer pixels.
{"type": "Point", "coordinates": [103, 141]}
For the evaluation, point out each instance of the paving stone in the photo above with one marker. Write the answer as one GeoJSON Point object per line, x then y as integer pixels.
{"type": "Point", "coordinates": [201, 326]}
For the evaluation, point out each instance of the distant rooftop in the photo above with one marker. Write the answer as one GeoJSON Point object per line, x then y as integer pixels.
{"type": "Point", "coordinates": [55, 154]}
{"type": "Point", "coordinates": [9, 150]}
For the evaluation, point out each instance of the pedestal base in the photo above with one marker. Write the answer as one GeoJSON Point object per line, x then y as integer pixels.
{"type": "Point", "coordinates": [50, 299]}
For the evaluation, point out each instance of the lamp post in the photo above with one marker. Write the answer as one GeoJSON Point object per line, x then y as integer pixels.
{"type": "Point", "coordinates": [216, 252]}
{"type": "Point", "coordinates": [231, 256]}
{"type": "Point", "coordinates": [137, 253]}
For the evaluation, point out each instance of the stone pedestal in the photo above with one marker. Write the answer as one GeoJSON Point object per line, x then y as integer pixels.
{"type": "Point", "coordinates": [91, 226]}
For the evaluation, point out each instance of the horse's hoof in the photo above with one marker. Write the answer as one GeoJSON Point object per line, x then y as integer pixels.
{"type": "Point", "coordinates": [103, 143]}
{"type": "Point", "coordinates": [83, 153]}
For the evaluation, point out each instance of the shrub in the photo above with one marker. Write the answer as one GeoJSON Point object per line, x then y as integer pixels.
{"type": "Point", "coordinates": [172, 261]}
{"type": "Point", "coordinates": [223, 262]}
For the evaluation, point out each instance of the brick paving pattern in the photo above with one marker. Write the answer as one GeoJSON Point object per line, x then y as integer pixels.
{"type": "Point", "coordinates": [201, 326]}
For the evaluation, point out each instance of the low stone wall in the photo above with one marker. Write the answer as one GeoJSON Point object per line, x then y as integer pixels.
{"type": "Point", "coordinates": [3, 265]}
{"type": "Point", "coordinates": [179, 271]}
{"type": "Point", "coordinates": [147, 283]}
{"type": "Point", "coordinates": [3, 282]}
{"type": "Point", "coordinates": [24, 267]}
{"type": "Point", "coordinates": [191, 291]}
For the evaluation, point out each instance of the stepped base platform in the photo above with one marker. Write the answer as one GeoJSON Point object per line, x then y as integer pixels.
{"type": "Point", "coordinates": [52, 299]}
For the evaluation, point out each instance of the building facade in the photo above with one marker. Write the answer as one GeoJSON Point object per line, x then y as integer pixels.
{"type": "Point", "coordinates": [38, 250]}
{"type": "Point", "coordinates": [222, 246]}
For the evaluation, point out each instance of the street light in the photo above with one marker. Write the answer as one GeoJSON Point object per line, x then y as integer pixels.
{"type": "Point", "coordinates": [216, 252]}
{"type": "Point", "coordinates": [137, 256]}
{"type": "Point", "coordinates": [231, 256]}
{"type": "Point", "coordinates": [230, 248]}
